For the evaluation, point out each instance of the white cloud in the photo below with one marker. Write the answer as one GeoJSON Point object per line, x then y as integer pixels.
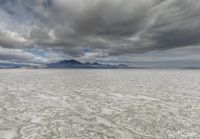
{"type": "Point", "coordinates": [20, 56]}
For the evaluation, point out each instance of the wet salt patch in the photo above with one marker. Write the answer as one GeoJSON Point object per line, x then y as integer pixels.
{"type": "Point", "coordinates": [145, 98]}
{"type": "Point", "coordinates": [79, 120]}
{"type": "Point", "coordinates": [107, 111]}
{"type": "Point", "coordinates": [192, 134]}
{"type": "Point", "coordinates": [45, 97]}
{"type": "Point", "coordinates": [101, 120]}
{"type": "Point", "coordinates": [126, 134]}
{"type": "Point", "coordinates": [128, 97]}
{"type": "Point", "coordinates": [118, 95]}
{"type": "Point", "coordinates": [36, 119]}
{"type": "Point", "coordinates": [8, 134]}
{"type": "Point", "coordinates": [1, 121]}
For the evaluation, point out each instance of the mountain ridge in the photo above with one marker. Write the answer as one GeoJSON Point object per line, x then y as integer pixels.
{"type": "Point", "coordinates": [77, 64]}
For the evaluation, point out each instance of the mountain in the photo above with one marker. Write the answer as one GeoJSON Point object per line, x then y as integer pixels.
{"type": "Point", "coordinates": [192, 68]}
{"type": "Point", "coordinates": [10, 65]}
{"type": "Point", "coordinates": [18, 65]}
{"type": "Point", "coordinates": [78, 64]}
{"type": "Point", "coordinates": [65, 64]}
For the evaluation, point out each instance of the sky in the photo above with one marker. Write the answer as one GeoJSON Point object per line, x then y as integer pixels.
{"type": "Point", "coordinates": [134, 32]}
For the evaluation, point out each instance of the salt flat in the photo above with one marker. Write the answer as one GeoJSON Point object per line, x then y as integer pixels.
{"type": "Point", "coordinates": [99, 104]}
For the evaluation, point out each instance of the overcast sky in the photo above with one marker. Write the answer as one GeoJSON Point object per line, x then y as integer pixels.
{"type": "Point", "coordinates": [108, 31]}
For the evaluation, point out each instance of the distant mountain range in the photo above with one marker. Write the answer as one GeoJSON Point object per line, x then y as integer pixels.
{"type": "Point", "coordinates": [11, 65]}
{"type": "Point", "coordinates": [70, 64]}
{"type": "Point", "coordinates": [78, 64]}
{"type": "Point", "coordinates": [65, 64]}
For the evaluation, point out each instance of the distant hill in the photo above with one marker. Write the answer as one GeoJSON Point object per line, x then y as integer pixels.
{"type": "Point", "coordinates": [17, 66]}
{"type": "Point", "coordinates": [78, 64]}
{"type": "Point", "coordinates": [10, 65]}
{"type": "Point", "coordinates": [192, 68]}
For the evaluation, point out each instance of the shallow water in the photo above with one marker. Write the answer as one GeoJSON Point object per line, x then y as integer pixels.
{"type": "Point", "coordinates": [99, 104]}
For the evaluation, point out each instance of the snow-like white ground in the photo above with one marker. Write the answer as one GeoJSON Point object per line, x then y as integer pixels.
{"type": "Point", "coordinates": [99, 104]}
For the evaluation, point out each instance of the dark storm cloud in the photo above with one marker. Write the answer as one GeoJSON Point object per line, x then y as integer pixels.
{"type": "Point", "coordinates": [178, 26]}
{"type": "Point", "coordinates": [112, 27]}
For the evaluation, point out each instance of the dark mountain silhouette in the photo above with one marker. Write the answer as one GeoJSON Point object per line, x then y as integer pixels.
{"type": "Point", "coordinates": [78, 64]}
{"type": "Point", "coordinates": [65, 64]}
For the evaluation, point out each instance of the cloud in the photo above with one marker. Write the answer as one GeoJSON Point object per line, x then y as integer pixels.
{"type": "Point", "coordinates": [109, 28]}
{"type": "Point", "coordinates": [20, 56]}
{"type": "Point", "coordinates": [11, 39]}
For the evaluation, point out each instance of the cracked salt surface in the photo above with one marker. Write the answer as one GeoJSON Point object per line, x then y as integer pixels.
{"type": "Point", "coordinates": [99, 104]}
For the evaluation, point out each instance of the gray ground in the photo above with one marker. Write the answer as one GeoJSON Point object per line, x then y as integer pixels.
{"type": "Point", "coordinates": [93, 104]}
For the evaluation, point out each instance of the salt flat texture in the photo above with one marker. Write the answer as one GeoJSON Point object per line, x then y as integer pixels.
{"type": "Point", "coordinates": [99, 104]}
